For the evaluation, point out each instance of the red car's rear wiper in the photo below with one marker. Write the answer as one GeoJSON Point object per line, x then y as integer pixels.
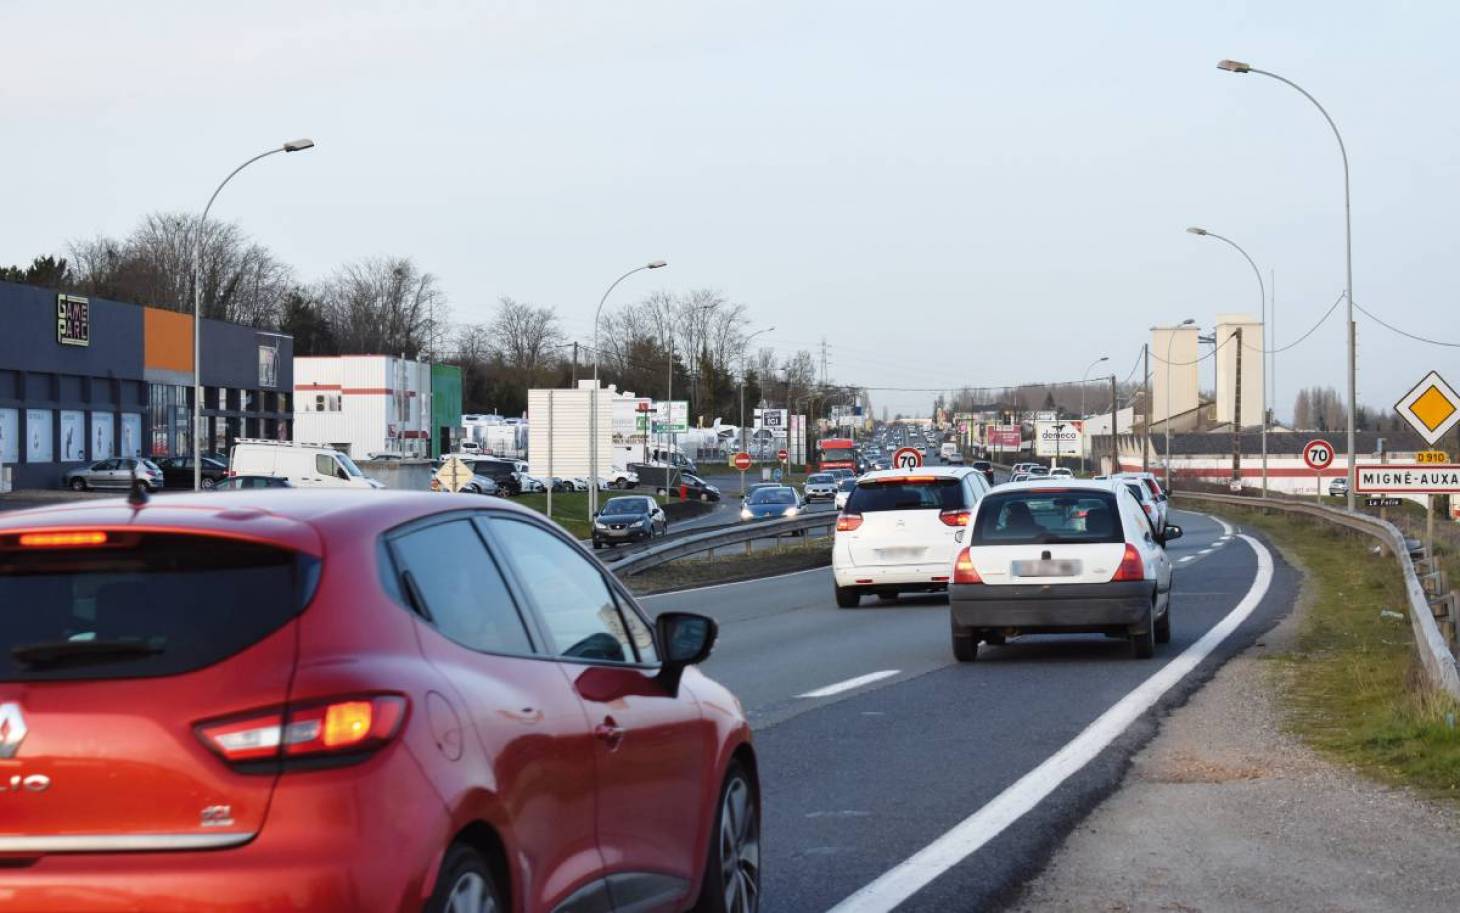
{"type": "Point", "coordinates": [59, 652]}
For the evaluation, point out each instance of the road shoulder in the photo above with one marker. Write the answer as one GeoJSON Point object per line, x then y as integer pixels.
{"type": "Point", "coordinates": [1226, 811]}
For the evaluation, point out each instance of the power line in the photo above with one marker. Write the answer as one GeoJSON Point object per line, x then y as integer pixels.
{"type": "Point", "coordinates": [1390, 326]}
{"type": "Point", "coordinates": [1185, 364]}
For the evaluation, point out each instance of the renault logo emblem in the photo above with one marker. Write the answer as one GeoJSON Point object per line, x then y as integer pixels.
{"type": "Point", "coordinates": [12, 730]}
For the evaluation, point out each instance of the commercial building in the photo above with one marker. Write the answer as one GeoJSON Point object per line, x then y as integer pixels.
{"type": "Point", "coordinates": [446, 430]}
{"type": "Point", "coordinates": [1227, 336]}
{"type": "Point", "coordinates": [366, 404]}
{"type": "Point", "coordinates": [84, 379]}
{"type": "Point", "coordinates": [1176, 345]}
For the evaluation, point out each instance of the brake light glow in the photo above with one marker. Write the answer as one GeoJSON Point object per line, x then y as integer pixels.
{"type": "Point", "coordinates": [904, 480]}
{"type": "Point", "coordinates": [848, 522]}
{"type": "Point", "coordinates": [79, 539]}
{"type": "Point", "coordinates": [1131, 568]}
{"type": "Point", "coordinates": [963, 569]}
{"type": "Point", "coordinates": [955, 517]}
{"type": "Point", "coordinates": [337, 726]}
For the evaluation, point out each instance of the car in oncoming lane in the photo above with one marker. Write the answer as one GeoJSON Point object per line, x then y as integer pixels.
{"type": "Point", "coordinates": [844, 489]}
{"type": "Point", "coordinates": [1061, 557]}
{"type": "Point", "coordinates": [900, 531]}
{"type": "Point", "coordinates": [628, 518]}
{"type": "Point", "coordinates": [773, 503]}
{"type": "Point", "coordinates": [432, 702]}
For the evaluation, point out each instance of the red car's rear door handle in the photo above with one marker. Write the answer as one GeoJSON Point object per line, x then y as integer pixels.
{"type": "Point", "coordinates": [609, 732]}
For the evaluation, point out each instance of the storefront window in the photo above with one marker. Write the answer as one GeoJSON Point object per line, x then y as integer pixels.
{"type": "Point", "coordinates": [283, 402]}
{"type": "Point", "coordinates": [39, 434]}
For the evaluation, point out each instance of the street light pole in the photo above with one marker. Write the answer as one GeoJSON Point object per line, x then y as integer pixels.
{"type": "Point", "coordinates": [1083, 378]}
{"type": "Point", "coordinates": [744, 348]}
{"type": "Point", "coordinates": [1262, 295]}
{"type": "Point", "coordinates": [1236, 66]}
{"type": "Point", "coordinates": [1170, 339]}
{"type": "Point", "coordinates": [298, 145]}
{"type": "Point", "coordinates": [593, 409]}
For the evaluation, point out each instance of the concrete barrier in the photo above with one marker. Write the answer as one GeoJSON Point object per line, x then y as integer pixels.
{"type": "Point", "coordinates": [406, 475]}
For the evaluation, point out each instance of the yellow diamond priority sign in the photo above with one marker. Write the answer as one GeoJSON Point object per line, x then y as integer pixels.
{"type": "Point", "coordinates": [1431, 408]}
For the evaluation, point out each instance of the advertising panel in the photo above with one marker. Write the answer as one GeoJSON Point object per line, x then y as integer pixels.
{"type": "Point", "coordinates": [9, 436]}
{"type": "Point", "coordinates": [1004, 438]}
{"type": "Point", "coordinates": [1059, 439]}
{"type": "Point", "coordinates": [774, 419]}
{"type": "Point", "coordinates": [131, 445]}
{"type": "Point", "coordinates": [102, 435]}
{"type": "Point", "coordinates": [73, 436]}
{"type": "Point", "coordinates": [672, 417]}
{"type": "Point", "coordinates": [38, 429]}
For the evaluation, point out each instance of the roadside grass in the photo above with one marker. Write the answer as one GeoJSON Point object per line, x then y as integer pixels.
{"type": "Point", "coordinates": [1357, 693]}
{"type": "Point", "coordinates": [570, 510]}
{"type": "Point", "coordinates": [786, 556]}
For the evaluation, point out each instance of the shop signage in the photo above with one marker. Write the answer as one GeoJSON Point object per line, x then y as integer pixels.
{"type": "Point", "coordinates": [73, 320]}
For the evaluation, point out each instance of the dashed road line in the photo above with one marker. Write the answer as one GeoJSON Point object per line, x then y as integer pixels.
{"type": "Point", "coordinates": [850, 684]}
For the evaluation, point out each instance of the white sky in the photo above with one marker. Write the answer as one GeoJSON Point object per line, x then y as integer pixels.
{"type": "Point", "coordinates": [951, 193]}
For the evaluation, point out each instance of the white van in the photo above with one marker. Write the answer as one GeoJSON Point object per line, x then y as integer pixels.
{"type": "Point", "coordinates": [304, 465]}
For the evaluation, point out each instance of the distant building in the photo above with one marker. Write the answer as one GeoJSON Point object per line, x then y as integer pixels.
{"type": "Point", "coordinates": [1252, 364]}
{"type": "Point", "coordinates": [446, 428]}
{"type": "Point", "coordinates": [364, 404]}
{"type": "Point", "coordinates": [1173, 356]}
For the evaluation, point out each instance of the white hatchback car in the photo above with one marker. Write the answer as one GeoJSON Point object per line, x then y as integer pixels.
{"type": "Point", "coordinates": [1062, 557]}
{"type": "Point", "coordinates": [901, 529]}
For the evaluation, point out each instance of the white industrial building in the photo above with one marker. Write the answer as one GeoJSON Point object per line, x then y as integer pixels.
{"type": "Point", "coordinates": [364, 404]}
{"type": "Point", "coordinates": [1174, 361]}
{"type": "Point", "coordinates": [1252, 364]}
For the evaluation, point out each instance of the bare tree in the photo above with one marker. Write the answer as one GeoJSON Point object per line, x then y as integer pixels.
{"type": "Point", "coordinates": [525, 336]}
{"type": "Point", "coordinates": [384, 305]}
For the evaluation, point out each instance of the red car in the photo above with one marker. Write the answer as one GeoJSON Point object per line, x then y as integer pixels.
{"type": "Point", "coordinates": [332, 700]}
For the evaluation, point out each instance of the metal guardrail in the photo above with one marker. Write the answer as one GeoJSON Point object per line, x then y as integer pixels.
{"type": "Point", "coordinates": [699, 542]}
{"type": "Point", "coordinates": [1434, 653]}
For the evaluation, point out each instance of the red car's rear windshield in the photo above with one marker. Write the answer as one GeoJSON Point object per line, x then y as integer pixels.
{"type": "Point", "coordinates": [140, 604]}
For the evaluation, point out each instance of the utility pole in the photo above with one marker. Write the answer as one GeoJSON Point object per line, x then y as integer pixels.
{"type": "Point", "coordinates": [1114, 429]}
{"type": "Point", "coordinates": [823, 361]}
{"type": "Point", "coordinates": [1237, 418]}
{"type": "Point", "coordinates": [575, 366]}
{"type": "Point", "coordinates": [1146, 408]}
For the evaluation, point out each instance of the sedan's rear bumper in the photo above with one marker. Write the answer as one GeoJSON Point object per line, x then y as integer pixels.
{"type": "Point", "coordinates": [1051, 607]}
{"type": "Point", "coordinates": [927, 576]}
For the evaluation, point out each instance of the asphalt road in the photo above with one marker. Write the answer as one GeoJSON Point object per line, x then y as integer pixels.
{"type": "Point", "coordinates": [860, 777]}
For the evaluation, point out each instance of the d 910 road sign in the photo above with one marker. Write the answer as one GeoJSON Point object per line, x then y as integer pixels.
{"type": "Point", "coordinates": [907, 458]}
{"type": "Point", "coordinates": [741, 461]}
{"type": "Point", "coordinates": [1318, 455]}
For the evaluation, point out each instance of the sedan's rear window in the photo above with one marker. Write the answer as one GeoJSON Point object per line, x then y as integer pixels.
{"type": "Point", "coordinates": [141, 605]}
{"type": "Point", "coordinates": [917, 494]}
{"type": "Point", "coordinates": [1044, 517]}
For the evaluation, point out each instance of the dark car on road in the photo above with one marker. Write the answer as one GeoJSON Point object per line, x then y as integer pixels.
{"type": "Point", "coordinates": [628, 519]}
{"type": "Point", "coordinates": [339, 700]}
{"type": "Point", "coordinates": [177, 472]}
{"type": "Point", "coordinates": [772, 503]}
{"type": "Point", "coordinates": [985, 467]}
{"type": "Point", "coordinates": [248, 483]}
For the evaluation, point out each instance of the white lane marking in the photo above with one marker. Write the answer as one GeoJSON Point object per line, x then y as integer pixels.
{"type": "Point", "coordinates": [965, 838]}
{"type": "Point", "coordinates": [1186, 559]}
{"type": "Point", "coordinates": [851, 683]}
{"type": "Point", "coordinates": [716, 586]}
{"type": "Point", "coordinates": [1226, 527]}
{"type": "Point", "coordinates": [1207, 551]}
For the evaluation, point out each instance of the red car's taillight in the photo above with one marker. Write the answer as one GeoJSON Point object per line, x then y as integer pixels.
{"type": "Point", "coordinates": [1131, 567]}
{"type": "Point", "coordinates": [338, 726]}
{"type": "Point", "coordinates": [848, 522]}
{"type": "Point", "coordinates": [955, 517]}
{"type": "Point", "coordinates": [963, 569]}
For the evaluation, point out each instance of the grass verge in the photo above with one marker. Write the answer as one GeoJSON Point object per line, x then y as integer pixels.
{"type": "Point", "coordinates": [570, 510]}
{"type": "Point", "coordinates": [1357, 693]}
{"type": "Point", "coordinates": [787, 556]}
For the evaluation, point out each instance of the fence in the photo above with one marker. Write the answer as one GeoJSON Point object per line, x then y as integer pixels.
{"type": "Point", "coordinates": [699, 543]}
{"type": "Point", "coordinates": [1432, 609]}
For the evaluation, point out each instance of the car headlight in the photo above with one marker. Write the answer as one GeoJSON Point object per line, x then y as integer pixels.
{"type": "Point", "coordinates": [792, 511]}
{"type": "Point", "coordinates": [745, 513]}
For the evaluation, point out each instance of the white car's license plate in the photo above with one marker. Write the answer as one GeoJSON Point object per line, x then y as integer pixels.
{"type": "Point", "coordinates": [1046, 568]}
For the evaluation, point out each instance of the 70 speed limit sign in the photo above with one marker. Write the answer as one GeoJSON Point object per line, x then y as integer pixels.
{"type": "Point", "coordinates": [1318, 455]}
{"type": "Point", "coordinates": [907, 458]}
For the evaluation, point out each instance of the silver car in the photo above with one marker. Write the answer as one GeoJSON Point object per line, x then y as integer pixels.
{"type": "Point", "coordinates": [820, 485]}
{"type": "Point", "coordinates": [115, 473]}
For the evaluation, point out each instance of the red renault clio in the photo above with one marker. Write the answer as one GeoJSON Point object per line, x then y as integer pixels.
{"type": "Point", "coordinates": [332, 700]}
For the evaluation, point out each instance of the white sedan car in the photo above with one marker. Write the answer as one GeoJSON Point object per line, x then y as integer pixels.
{"type": "Point", "coordinates": [901, 529]}
{"type": "Point", "coordinates": [1058, 557]}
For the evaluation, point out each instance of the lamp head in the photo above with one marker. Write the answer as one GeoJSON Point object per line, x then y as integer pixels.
{"type": "Point", "coordinates": [1234, 66]}
{"type": "Point", "coordinates": [298, 145]}
{"type": "Point", "coordinates": [656, 264]}
{"type": "Point", "coordinates": [1197, 231]}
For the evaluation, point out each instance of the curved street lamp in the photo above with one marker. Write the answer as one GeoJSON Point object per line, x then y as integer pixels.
{"type": "Point", "coordinates": [593, 410]}
{"type": "Point", "coordinates": [1237, 66]}
{"type": "Point", "coordinates": [1262, 296]}
{"type": "Point", "coordinates": [298, 145]}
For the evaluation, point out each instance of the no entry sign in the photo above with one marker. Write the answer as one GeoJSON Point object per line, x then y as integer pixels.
{"type": "Point", "coordinates": [741, 461]}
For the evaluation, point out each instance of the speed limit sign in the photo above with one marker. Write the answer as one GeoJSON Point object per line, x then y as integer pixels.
{"type": "Point", "coordinates": [907, 458]}
{"type": "Point", "coordinates": [1318, 455]}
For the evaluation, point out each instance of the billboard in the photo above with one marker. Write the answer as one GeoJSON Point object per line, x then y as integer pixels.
{"type": "Point", "coordinates": [1004, 438]}
{"type": "Point", "coordinates": [774, 419]}
{"type": "Point", "coordinates": [671, 417]}
{"type": "Point", "coordinates": [1057, 439]}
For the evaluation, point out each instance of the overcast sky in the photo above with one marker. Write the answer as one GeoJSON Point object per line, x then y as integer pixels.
{"type": "Point", "coordinates": [950, 192]}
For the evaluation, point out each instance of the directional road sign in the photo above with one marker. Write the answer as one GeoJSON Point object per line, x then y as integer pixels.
{"type": "Point", "coordinates": [907, 458]}
{"type": "Point", "coordinates": [454, 474]}
{"type": "Point", "coordinates": [1318, 455]}
{"type": "Point", "coordinates": [776, 474]}
{"type": "Point", "coordinates": [741, 461]}
{"type": "Point", "coordinates": [1431, 408]}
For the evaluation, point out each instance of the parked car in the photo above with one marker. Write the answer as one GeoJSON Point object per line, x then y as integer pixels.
{"type": "Point", "coordinates": [632, 518]}
{"type": "Point", "coordinates": [364, 666]}
{"type": "Point", "coordinates": [530, 484]}
{"type": "Point", "coordinates": [305, 465]}
{"type": "Point", "coordinates": [246, 483]}
{"type": "Point", "coordinates": [901, 529]}
{"type": "Point", "coordinates": [1061, 557]}
{"type": "Point", "coordinates": [502, 472]}
{"type": "Point", "coordinates": [662, 478]}
{"type": "Point", "coordinates": [773, 503]}
{"type": "Point", "coordinates": [115, 474]}
{"type": "Point", "coordinates": [820, 486]}
{"type": "Point", "coordinates": [1338, 486]}
{"type": "Point", "coordinates": [177, 472]}
{"type": "Point", "coordinates": [479, 485]}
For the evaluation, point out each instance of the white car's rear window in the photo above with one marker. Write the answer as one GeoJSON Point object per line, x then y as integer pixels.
{"type": "Point", "coordinates": [1046, 517]}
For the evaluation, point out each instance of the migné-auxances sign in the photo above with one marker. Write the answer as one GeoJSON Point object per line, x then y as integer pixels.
{"type": "Point", "coordinates": [1420, 478]}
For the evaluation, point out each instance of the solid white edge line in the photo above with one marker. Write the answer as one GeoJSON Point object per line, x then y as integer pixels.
{"type": "Point", "coordinates": [851, 683]}
{"type": "Point", "coordinates": [965, 838]}
{"type": "Point", "coordinates": [716, 586]}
